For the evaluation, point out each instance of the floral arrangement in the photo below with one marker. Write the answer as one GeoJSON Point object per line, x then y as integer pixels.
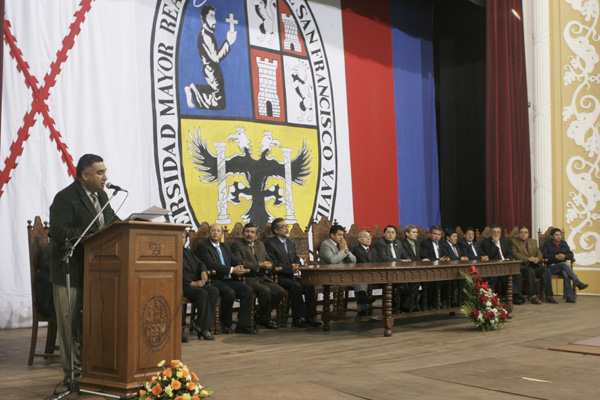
{"type": "Point", "coordinates": [482, 306]}
{"type": "Point", "coordinates": [174, 383]}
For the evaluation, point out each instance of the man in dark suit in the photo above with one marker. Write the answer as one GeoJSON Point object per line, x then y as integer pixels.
{"type": "Point", "coordinates": [497, 248]}
{"type": "Point", "coordinates": [557, 252]}
{"type": "Point", "coordinates": [526, 250]}
{"type": "Point", "coordinates": [410, 244]}
{"type": "Point", "coordinates": [196, 289]}
{"type": "Point", "coordinates": [389, 248]}
{"type": "Point", "coordinates": [218, 256]}
{"type": "Point", "coordinates": [431, 247]}
{"type": "Point", "coordinates": [364, 254]}
{"type": "Point", "coordinates": [253, 255]}
{"type": "Point", "coordinates": [449, 248]}
{"type": "Point", "coordinates": [470, 247]}
{"type": "Point", "coordinates": [282, 252]}
{"type": "Point", "coordinates": [72, 210]}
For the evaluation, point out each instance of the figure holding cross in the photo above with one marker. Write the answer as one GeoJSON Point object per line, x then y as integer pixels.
{"type": "Point", "coordinates": [211, 96]}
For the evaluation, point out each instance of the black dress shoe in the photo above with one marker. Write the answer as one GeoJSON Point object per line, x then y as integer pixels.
{"type": "Point", "coordinates": [517, 300]}
{"type": "Point", "coordinates": [184, 339]}
{"type": "Point", "coordinates": [226, 330]}
{"type": "Point", "coordinates": [196, 325]}
{"type": "Point", "coordinates": [571, 299]}
{"type": "Point", "coordinates": [313, 322]}
{"type": "Point", "coordinates": [206, 335]}
{"type": "Point", "coordinates": [245, 330]}
{"type": "Point", "coordinates": [299, 323]}
{"type": "Point", "coordinates": [582, 285]}
{"type": "Point", "coordinates": [269, 325]}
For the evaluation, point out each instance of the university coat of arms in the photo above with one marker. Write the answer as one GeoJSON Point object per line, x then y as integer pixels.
{"type": "Point", "coordinates": [244, 123]}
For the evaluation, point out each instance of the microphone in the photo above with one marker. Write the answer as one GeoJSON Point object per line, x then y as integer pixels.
{"type": "Point", "coordinates": [115, 187]}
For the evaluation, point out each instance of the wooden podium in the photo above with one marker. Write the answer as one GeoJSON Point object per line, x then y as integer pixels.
{"type": "Point", "coordinates": [132, 294]}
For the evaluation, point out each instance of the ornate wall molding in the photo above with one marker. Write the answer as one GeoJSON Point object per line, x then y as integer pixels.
{"type": "Point", "coordinates": [582, 168]}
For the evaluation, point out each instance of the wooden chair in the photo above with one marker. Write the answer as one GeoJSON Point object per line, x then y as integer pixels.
{"type": "Point", "coordinates": [38, 240]}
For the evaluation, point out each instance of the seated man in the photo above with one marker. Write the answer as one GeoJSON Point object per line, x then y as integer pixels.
{"type": "Point", "coordinates": [335, 251]}
{"type": "Point", "coordinates": [389, 248]}
{"type": "Point", "coordinates": [195, 288]}
{"type": "Point", "coordinates": [526, 250]}
{"type": "Point", "coordinates": [470, 247]}
{"type": "Point", "coordinates": [218, 256]}
{"type": "Point", "coordinates": [431, 247]}
{"type": "Point", "coordinates": [282, 252]}
{"type": "Point", "coordinates": [363, 252]}
{"type": "Point", "coordinates": [497, 248]}
{"type": "Point", "coordinates": [557, 251]}
{"type": "Point", "coordinates": [253, 255]}
{"type": "Point", "coordinates": [410, 244]}
{"type": "Point", "coordinates": [449, 248]}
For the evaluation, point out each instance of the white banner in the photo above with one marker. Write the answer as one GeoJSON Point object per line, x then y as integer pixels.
{"type": "Point", "coordinates": [109, 77]}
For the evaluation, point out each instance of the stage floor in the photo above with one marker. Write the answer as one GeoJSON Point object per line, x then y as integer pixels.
{"type": "Point", "coordinates": [441, 357]}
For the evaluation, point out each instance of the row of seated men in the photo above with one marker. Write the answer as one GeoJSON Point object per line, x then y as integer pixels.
{"type": "Point", "coordinates": [250, 257]}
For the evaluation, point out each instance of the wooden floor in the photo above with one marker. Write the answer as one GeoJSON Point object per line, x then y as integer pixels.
{"type": "Point", "coordinates": [439, 357]}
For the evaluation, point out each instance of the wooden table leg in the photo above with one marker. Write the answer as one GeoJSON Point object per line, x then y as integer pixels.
{"type": "Point", "coordinates": [387, 320]}
{"type": "Point", "coordinates": [509, 297]}
{"type": "Point", "coordinates": [326, 317]}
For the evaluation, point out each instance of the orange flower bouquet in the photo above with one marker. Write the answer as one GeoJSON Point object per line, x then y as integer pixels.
{"type": "Point", "coordinates": [174, 383]}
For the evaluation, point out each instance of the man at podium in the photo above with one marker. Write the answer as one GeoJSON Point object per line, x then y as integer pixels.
{"type": "Point", "coordinates": [72, 210]}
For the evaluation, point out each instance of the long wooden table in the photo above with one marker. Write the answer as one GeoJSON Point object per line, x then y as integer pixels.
{"type": "Point", "coordinates": [387, 273]}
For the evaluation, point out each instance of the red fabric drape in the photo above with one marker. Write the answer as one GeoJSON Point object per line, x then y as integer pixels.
{"type": "Point", "coordinates": [508, 186]}
{"type": "Point", "coordinates": [371, 114]}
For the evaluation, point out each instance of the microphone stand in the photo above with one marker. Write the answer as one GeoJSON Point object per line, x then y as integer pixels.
{"type": "Point", "coordinates": [73, 386]}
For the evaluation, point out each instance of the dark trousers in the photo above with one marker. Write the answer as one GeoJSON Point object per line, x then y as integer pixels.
{"type": "Point", "coordinates": [269, 294]}
{"type": "Point", "coordinates": [300, 308]}
{"type": "Point", "coordinates": [205, 300]}
{"type": "Point", "coordinates": [532, 271]}
{"type": "Point", "coordinates": [229, 290]}
{"type": "Point", "coordinates": [517, 283]}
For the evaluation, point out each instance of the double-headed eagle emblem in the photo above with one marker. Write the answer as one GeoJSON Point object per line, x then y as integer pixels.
{"type": "Point", "coordinates": [257, 172]}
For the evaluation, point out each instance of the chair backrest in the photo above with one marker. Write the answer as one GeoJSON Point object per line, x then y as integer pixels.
{"type": "Point", "coordinates": [199, 236]}
{"type": "Point", "coordinates": [235, 233]}
{"type": "Point", "coordinates": [487, 232]}
{"type": "Point", "coordinates": [376, 234]}
{"type": "Point", "coordinates": [512, 234]}
{"type": "Point", "coordinates": [320, 233]}
{"type": "Point", "coordinates": [300, 239]}
{"type": "Point", "coordinates": [352, 236]}
{"type": "Point", "coordinates": [37, 234]}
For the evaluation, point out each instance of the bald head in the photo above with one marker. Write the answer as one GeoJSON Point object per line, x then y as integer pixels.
{"type": "Point", "coordinates": [215, 232]}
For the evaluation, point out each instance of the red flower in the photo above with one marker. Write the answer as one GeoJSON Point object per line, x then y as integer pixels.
{"type": "Point", "coordinates": [485, 286]}
{"type": "Point", "coordinates": [473, 270]}
{"type": "Point", "coordinates": [491, 316]}
{"type": "Point", "coordinates": [474, 314]}
{"type": "Point", "coordinates": [495, 300]}
{"type": "Point", "coordinates": [476, 287]}
{"type": "Point", "coordinates": [503, 314]}
{"type": "Point", "coordinates": [482, 298]}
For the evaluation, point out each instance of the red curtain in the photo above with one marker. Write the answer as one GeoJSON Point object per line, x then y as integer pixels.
{"type": "Point", "coordinates": [508, 173]}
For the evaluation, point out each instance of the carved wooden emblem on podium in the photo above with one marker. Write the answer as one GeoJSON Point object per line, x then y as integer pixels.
{"type": "Point", "coordinates": [154, 322]}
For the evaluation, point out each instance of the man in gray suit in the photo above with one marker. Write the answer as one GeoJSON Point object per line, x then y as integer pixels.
{"type": "Point", "coordinates": [335, 251]}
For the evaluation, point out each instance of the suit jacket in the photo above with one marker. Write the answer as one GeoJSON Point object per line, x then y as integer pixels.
{"type": "Point", "coordinates": [207, 253]}
{"type": "Point", "coordinates": [409, 251]}
{"type": "Point", "coordinates": [446, 250]}
{"type": "Point", "coordinates": [550, 251]}
{"type": "Point", "coordinates": [385, 254]}
{"type": "Point", "coordinates": [491, 250]}
{"type": "Point", "coordinates": [464, 245]}
{"type": "Point", "coordinates": [427, 250]}
{"type": "Point", "coordinates": [330, 253]}
{"type": "Point", "coordinates": [192, 267]}
{"type": "Point", "coordinates": [242, 250]}
{"type": "Point", "coordinates": [361, 254]}
{"type": "Point", "coordinates": [70, 213]}
{"type": "Point", "coordinates": [280, 257]}
{"type": "Point", "coordinates": [521, 253]}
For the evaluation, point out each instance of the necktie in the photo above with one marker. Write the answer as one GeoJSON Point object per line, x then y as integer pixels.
{"type": "Point", "coordinates": [412, 245]}
{"type": "Point", "coordinates": [392, 249]}
{"type": "Point", "coordinates": [369, 254]}
{"type": "Point", "coordinates": [285, 246]}
{"type": "Point", "coordinates": [526, 247]}
{"type": "Point", "coordinates": [97, 206]}
{"type": "Point", "coordinates": [436, 247]}
{"type": "Point", "coordinates": [220, 254]}
{"type": "Point", "coordinates": [454, 250]}
{"type": "Point", "coordinates": [473, 248]}
{"type": "Point", "coordinates": [222, 259]}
